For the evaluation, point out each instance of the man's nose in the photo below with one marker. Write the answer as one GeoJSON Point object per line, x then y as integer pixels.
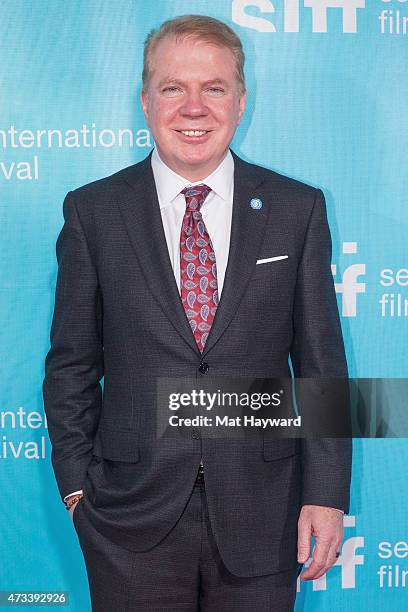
{"type": "Point", "coordinates": [193, 106]}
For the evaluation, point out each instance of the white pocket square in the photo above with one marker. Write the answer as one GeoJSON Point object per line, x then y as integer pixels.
{"type": "Point", "coordinates": [268, 259]}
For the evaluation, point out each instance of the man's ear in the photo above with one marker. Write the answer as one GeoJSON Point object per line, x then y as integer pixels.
{"type": "Point", "coordinates": [242, 102]}
{"type": "Point", "coordinates": [145, 104]}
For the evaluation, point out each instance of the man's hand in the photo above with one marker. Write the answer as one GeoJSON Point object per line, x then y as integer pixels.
{"type": "Point", "coordinates": [326, 525]}
{"type": "Point", "coordinates": [72, 508]}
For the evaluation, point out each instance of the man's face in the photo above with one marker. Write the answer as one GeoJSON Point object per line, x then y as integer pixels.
{"type": "Point", "coordinates": [193, 88]}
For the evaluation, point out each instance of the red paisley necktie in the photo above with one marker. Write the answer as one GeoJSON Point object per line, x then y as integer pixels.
{"type": "Point", "coordinates": [198, 270]}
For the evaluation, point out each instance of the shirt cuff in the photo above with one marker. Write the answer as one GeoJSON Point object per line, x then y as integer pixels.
{"type": "Point", "coordinates": [74, 493]}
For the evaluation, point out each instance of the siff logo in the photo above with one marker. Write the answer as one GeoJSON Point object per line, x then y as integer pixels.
{"type": "Point", "coordinates": [347, 561]}
{"type": "Point", "coordinates": [349, 287]}
{"type": "Point", "coordinates": [291, 14]}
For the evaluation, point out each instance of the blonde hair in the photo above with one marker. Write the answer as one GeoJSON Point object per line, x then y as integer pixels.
{"type": "Point", "coordinates": [199, 27]}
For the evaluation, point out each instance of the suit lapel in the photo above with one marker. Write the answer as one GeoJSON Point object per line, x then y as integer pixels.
{"type": "Point", "coordinates": [142, 218]}
{"type": "Point", "coordinates": [247, 230]}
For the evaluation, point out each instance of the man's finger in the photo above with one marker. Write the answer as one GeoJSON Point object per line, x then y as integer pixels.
{"type": "Point", "coordinates": [334, 553]}
{"type": "Point", "coordinates": [304, 539]}
{"type": "Point", "coordinates": [319, 562]}
{"type": "Point", "coordinates": [331, 559]}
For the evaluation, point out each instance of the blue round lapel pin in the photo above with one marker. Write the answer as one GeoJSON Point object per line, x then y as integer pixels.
{"type": "Point", "coordinates": [256, 203]}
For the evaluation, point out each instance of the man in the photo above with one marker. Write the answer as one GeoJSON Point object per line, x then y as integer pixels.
{"type": "Point", "coordinates": [161, 274]}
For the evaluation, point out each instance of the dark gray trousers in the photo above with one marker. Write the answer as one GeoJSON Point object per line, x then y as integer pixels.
{"type": "Point", "coordinates": [184, 572]}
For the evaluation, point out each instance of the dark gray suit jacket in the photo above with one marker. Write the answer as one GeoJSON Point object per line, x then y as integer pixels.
{"type": "Point", "coordinates": [118, 314]}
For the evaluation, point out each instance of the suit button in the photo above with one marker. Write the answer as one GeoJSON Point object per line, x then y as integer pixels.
{"type": "Point", "coordinates": [195, 434]}
{"type": "Point", "coordinates": [204, 367]}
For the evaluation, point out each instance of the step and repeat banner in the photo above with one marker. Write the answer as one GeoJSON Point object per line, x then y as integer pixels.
{"type": "Point", "coordinates": [327, 105]}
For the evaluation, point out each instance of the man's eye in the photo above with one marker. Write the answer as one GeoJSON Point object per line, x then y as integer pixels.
{"type": "Point", "coordinates": [171, 89]}
{"type": "Point", "coordinates": [216, 90]}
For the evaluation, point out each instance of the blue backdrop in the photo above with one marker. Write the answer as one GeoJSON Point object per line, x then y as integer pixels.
{"type": "Point", "coordinates": [328, 98]}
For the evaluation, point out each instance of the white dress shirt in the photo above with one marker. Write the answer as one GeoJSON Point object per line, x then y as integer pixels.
{"type": "Point", "coordinates": [216, 210]}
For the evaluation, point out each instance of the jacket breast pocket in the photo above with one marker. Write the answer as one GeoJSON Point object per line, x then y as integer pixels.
{"type": "Point", "coordinates": [275, 269]}
{"type": "Point", "coordinates": [274, 449]}
{"type": "Point", "coordinates": [117, 445]}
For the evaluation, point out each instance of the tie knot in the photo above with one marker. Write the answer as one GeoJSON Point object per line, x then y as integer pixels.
{"type": "Point", "coordinates": [195, 196]}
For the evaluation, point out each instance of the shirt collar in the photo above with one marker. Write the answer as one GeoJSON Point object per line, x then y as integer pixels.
{"type": "Point", "coordinates": [169, 183]}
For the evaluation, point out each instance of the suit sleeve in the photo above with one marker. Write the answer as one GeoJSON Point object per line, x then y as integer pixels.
{"type": "Point", "coordinates": [317, 352]}
{"type": "Point", "coordinates": [74, 364]}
